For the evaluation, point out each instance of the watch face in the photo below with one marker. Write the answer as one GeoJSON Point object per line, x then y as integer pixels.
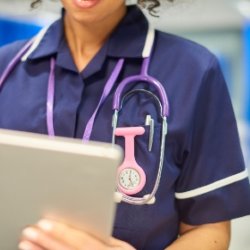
{"type": "Point", "coordinates": [129, 178]}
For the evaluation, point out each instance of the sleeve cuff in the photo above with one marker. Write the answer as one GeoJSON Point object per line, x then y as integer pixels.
{"type": "Point", "coordinates": [220, 201]}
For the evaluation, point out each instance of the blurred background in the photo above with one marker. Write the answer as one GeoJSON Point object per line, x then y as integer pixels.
{"type": "Point", "coordinates": [223, 26]}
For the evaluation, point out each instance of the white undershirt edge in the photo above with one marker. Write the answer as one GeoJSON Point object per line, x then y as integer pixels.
{"type": "Point", "coordinates": [35, 44]}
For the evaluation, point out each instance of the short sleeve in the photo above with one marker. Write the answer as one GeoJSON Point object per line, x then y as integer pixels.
{"type": "Point", "coordinates": [213, 185]}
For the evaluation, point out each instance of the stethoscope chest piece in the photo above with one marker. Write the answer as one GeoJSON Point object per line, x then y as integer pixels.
{"type": "Point", "coordinates": [131, 178]}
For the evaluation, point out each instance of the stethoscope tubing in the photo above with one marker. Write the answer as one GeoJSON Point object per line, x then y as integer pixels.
{"type": "Point", "coordinates": [146, 79]}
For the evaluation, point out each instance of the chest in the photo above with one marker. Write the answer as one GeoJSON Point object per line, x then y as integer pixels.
{"type": "Point", "coordinates": [23, 102]}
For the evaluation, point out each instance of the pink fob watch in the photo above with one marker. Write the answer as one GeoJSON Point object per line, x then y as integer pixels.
{"type": "Point", "coordinates": [131, 177]}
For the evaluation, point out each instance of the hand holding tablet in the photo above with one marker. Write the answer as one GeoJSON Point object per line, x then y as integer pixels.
{"type": "Point", "coordinates": [60, 179]}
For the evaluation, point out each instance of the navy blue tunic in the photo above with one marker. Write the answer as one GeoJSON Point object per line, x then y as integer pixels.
{"type": "Point", "coordinates": [204, 178]}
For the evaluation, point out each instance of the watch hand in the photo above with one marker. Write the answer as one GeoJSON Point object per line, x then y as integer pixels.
{"type": "Point", "coordinates": [130, 172]}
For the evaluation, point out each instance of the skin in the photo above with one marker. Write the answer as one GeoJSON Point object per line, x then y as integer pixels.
{"type": "Point", "coordinates": [150, 5]}
{"type": "Point", "coordinates": [86, 31]}
{"type": "Point", "coordinates": [52, 235]}
{"type": "Point", "coordinates": [214, 236]}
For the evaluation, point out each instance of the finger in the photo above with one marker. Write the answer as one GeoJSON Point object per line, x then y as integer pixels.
{"type": "Point", "coordinates": [42, 240]}
{"type": "Point", "coordinates": [72, 237]}
{"type": "Point", "coordinates": [116, 244]}
{"type": "Point", "coordinates": [26, 245]}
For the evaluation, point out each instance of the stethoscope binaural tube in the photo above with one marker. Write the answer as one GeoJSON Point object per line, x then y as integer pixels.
{"type": "Point", "coordinates": [143, 77]}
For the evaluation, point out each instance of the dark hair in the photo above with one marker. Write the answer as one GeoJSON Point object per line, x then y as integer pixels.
{"type": "Point", "coordinates": [150, 5]}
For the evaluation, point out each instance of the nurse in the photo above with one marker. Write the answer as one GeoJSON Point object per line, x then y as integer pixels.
{"type": "Point", "coordinates": [204, 183]}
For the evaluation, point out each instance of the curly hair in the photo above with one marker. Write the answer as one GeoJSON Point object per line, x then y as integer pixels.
{"type": "Point", "coordinates": [150, 5]}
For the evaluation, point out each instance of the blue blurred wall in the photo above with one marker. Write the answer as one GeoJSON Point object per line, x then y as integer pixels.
{"type": "Point", "coordinates": [11, 30]}
{"type": "Point", "coordinates": [247, 68]}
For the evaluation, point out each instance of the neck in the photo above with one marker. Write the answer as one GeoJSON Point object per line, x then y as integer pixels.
{"type": "Point", "coordinates": [86, 39]}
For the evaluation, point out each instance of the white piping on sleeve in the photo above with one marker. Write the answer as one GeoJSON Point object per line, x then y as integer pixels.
{"type": "Point", "coordinates": [149, 42]}
{"type": "Point", "coordinates": [38, 38]}
{"type": "Point", "coordinates": [213, 186]}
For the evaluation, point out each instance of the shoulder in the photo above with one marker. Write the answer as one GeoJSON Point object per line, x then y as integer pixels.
{"type": "Point", "coordinates": [183, 52]}
{"type": "Point", "coordinates": [11, 49]}
{"type": "Point", "coordinates": [8, 52]}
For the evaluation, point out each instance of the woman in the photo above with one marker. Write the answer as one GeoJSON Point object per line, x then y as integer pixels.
{"type": "Point", "coordinates": [204, 183]}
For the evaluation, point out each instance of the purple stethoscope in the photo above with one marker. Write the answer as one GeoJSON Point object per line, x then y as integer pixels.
{"type": "Point", "coordinates": [131, 177]}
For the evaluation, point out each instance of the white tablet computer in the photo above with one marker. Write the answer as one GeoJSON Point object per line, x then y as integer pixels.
{"type": "Point", "coordinates": [59, 178]}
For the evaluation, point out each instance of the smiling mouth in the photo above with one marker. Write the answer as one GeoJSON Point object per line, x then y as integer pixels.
{"type": "Point", "coordinates": [86, 3]}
